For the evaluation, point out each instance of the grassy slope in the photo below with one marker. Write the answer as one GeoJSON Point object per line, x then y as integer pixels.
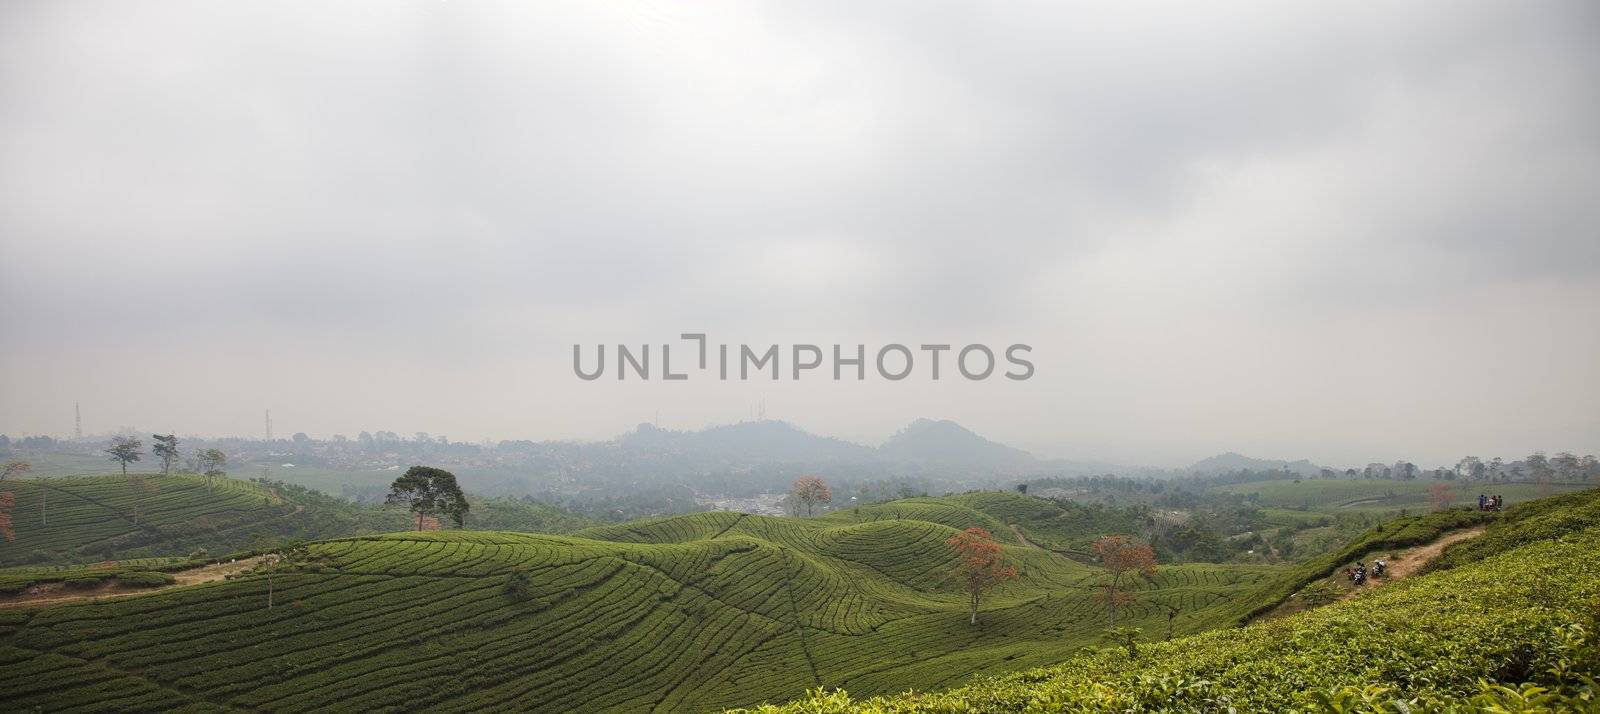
{"type": "Point", "coordinates": [1380, 494]}
{"type": "Point", "coordinates": [1519, 607]}
{"type": "Point", "coordinates": [1401, 532]}
{"type": "Point", "coordinates": [92, 518]}
{"type": "Point", "coordinates": [688, 613]}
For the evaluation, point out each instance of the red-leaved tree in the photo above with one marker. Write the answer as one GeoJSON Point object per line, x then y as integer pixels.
{"type": "Point", "coordinates": [1441, 495]}
{"type": "Point", "coordinates": [810, 491]}
{"type": "Point", "coordinates": [14, 469]}
{"type": "Point", "coordinates": [980, 564]}
{"type": "Point", "coordinates": [8, 501]}
{"type": "Point", "coordinates": [1122, 558]}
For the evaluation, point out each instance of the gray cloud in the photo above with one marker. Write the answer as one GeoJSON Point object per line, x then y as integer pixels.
{"type": "Point", "coordinates": [401, 215]}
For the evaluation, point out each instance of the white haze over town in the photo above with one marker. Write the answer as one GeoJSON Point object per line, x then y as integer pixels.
{"type": "Point", "coordinates": [1346, 232]}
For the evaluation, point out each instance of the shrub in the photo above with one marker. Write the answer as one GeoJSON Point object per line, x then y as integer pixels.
{"type": "Point", "coordinates": [516, 586]}
{"type": "Point", "coordinates": [145, 579]}
{"type": "Point", "coordinates": [85, 581]}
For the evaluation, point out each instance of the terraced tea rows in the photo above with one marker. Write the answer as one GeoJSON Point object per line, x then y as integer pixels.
{"type": "Point", "coordinates": [91, 517]}
{"type": "Point", "coordinates": [681, 614]}
{"type": "Point", "coordinates": [84, 519]}
{"type": "Point", "coordinates": [1511, 626]}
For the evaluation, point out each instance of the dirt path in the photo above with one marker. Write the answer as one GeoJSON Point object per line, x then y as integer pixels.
{"type": "Point", "coordinates": [1069, 555]}
{"type": "Point", "coordinates": [1020, 536]}
{"type": "Point", "coordinates": [51, 594]}
{"type": "Point", "coordinates": [1404, 564]}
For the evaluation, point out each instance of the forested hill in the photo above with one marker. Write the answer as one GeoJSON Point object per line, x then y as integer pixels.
{"type": "Point", "coordinates": [115, 517]}
{"type": "Point", "coordinates": [689, 613]}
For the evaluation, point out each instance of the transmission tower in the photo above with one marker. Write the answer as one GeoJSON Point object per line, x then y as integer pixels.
{"type": "Point", "coordinates": [77, 422]}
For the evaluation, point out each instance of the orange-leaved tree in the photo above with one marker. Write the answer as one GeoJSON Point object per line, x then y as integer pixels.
{"type": "Point", "coordinates": [1441, 495]}
{"type": "Point", "coordinates": [810, 491]}
{"type": "Point", "coordinates": [1122, 558]}
{"type": "Point", "coordinates": [14, 468]}
{"type": "Point", "coordinates": [980, 564]}
{"type": "Point", "coordinates": [8, 501]}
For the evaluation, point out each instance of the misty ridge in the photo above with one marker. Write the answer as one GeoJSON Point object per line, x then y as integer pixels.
{"type": "Point", "coordinates": [651, 470]}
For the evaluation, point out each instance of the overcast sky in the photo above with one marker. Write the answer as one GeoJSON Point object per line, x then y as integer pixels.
{"type": "Point", "coordinates": [1346, 232]}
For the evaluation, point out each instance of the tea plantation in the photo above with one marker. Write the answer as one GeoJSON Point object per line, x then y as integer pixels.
{"type": "Point", "coordinates": [84, 519]}
{"type": "Point", "coordinates": [1508, 624]}
{"type": "Point", "coordinates": [101, 517]}
{"type": "Point", "coordinates": [690, 613]}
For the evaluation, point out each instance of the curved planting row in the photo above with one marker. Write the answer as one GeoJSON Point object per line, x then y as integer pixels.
{"type": "Point", "coordinates": [83, 518]}
{"type": "Point", "coordinates": [712, 610]}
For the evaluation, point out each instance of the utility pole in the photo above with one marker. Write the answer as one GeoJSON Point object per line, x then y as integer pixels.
{"type": "Point", "coordinates": [77, 422]}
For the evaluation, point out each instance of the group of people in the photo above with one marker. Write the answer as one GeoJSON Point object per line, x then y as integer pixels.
{"type": "Point", "coordinates": [1359, 574]}
{"type": "Point", "coordinates": [1490, 503]}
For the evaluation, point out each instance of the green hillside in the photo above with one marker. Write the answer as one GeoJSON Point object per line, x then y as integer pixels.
{"type": "Point", "coordinates": [1509, 623]}
{"type": "Point", "coordinates": [1333, 495]}
{"type": "Point", "coordinates": [105, 517]}
{"type": "Point", "coordinates": [115, 517]}
{"type": "Point", "coordinates": [690, 613]}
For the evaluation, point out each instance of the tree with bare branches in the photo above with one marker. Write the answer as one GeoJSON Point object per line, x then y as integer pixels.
{"type": "Point", "coordinates": [8, 501]}
{"type": "Point", "coordinates": [1123, 558]}
{"type": "Point", "coordinates": [15, 468]}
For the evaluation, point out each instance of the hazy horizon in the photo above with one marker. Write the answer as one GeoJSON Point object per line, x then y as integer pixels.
{"type": "Point", "coordinates": [1332, 232]}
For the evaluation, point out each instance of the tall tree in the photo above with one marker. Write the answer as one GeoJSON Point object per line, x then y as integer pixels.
{"type": "Point", "coordinates": [286, 557]}
{"type": "Point", "coordinates": [427, 491]}
{"type": "Point", "coordinates": [165, 448]}
{"type": "Point", "coordinates": [1122, 558]}
{"type": "Point", "coordinates": [980, 565]}
{"type": "Point", "coordinates": [15, 468]}
{"type": "Point", "coordinates": [810, 491]}
{"type": "Point", "coordinates": [1537, 463]}
{"type": "Point", "coordinates": [1540, 466]}
{"type": "Point", "coordinates": [1565, 465]}
{"type": "Point", "coordinates": [211, 463]}
{"type": "Point", "coordinates": [126, 450]}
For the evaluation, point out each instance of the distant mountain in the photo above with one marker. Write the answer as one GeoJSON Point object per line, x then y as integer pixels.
{"type": "Point", "coordinates": [1236, 462]}
{"type": "Point", "coordinates": [946, 442]}
{"type": "Point", "coordinates": [924, 443]}
{"type": "Point", "coordinates": [756, 441]}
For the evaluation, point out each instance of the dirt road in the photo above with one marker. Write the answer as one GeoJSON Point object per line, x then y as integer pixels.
{"type": "Point", "coordinates": [1405, 563]}
{"type": "Point", "coordinates": [50, 594]}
